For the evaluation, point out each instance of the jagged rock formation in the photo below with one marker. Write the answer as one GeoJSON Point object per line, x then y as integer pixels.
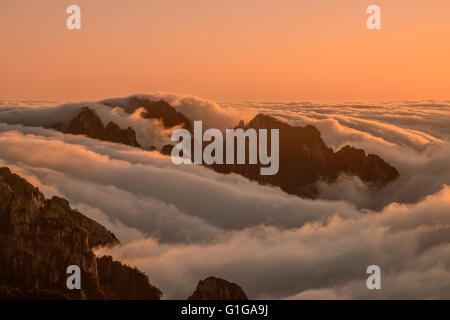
{"type": "Point", "coordinates": [218, 289]}
{"type": "Point", "coordinates": [40, 238]}
{"type": "Point", "coordinates": [123, 282]}
{"type": "Point", "coordinates": [161, 110]}
{"type": "Point", "coordinates": [305, 159]}
{"type": "Point", "coordinates": [88, 123]}
{"type": "Point", "coordinates": [370, 168]}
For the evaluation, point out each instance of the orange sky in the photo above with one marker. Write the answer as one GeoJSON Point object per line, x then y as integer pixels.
{"type": "Point", "coordinates": [226, 50]}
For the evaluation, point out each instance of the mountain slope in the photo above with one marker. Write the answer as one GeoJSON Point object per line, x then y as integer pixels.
{"type": "Point", "coordinates": [40, 238]}
{"type": "Point", "coordinates": [305, 160]}
{"type": "Point", "coordinates": [160, 109]}
{"type": "Point", "coordinates": [88, 123]}
{"type": "Point", "coordinates": [304, 157]}
{"type": "Point", "coordinates": [213, 288]}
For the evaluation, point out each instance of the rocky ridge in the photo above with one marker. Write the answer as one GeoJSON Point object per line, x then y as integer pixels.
{"type": "Point", "coordinates": [304, 157]}
{"type": "Point", "coordinates": [40, 238]}
{"type": "Point", "coordinates": [213, 288]}
{"type": "Point", "coordinates": [88, 123]}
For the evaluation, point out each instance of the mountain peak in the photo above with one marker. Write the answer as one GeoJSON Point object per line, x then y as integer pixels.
{"type": "Point", "coordinates": [159, 109]}
{"type": "Point", "coordinates": [213, 288]}
{"type": "Point", "coordinates": [305, 159]}
{"type": "Point", "coordinates": [88, 123]}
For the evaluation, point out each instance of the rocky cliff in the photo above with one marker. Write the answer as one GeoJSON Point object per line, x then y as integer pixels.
{"type": "Point", "coordinates": [88, 123]}
{"type": "Point", "coordinates": [305, 159]}
{"type": "Point", "coordinates": [123, 282]}
{"type": "Point", "coordinates": [217, 289]}
{"type": "Point", "coordinates": [160, 109]}
{"type": "Point", "coordinates": [40, 238]}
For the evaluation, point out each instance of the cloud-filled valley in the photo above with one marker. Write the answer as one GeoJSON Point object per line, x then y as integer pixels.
{"type": "Point", "coordinates": [183, 223]}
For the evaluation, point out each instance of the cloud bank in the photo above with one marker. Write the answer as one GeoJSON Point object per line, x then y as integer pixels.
{"type": "Point", "coordinates": [183, 223]}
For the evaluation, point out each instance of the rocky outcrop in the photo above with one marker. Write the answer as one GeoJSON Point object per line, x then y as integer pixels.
{"type": "Point", "coordinates": [217, 289]}
{"type": "Point", "coordinates": [370, 168]}
{"type": "Point", "coordinates": [305, 160]}
{"type": "Point", "coordinates": [304, 157]}
{"type": "Point", "coordinates": [88, 123]}
{"type": "Point", "coordinates": [160, 109]}
{"type": "Point", "coordinates": [40, 238]}
{"type": "Point", "coordinates": [123, 282]}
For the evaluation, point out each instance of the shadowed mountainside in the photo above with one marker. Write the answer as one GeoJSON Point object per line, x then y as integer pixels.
{"type": "Point", "coordinates": [213, 288]}
{"type": "Point", "coordinates": [304, 157]}
{"type": "Point", "coordinates": [305, 160]}
{"type": "Point", "coordinates": [88, 123]}
{"type": "Point", "coordinates": [160, 109]}
{"type": "Point", "coordinates": [40, 238]}
{"type": "Point", "coordinates": [123, 282]}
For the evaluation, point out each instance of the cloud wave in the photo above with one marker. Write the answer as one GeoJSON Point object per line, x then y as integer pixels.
{"type": "Point", "coordinates": [183, 223]}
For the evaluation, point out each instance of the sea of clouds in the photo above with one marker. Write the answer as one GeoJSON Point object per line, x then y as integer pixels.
{"type": "Point", "coordinates": [180, 224]}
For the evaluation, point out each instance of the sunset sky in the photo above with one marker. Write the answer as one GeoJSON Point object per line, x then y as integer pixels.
{"type": "Point", "coordinates": [226, 50]}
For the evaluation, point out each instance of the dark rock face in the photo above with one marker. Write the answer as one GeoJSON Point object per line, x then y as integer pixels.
{"type": "Point", "coordinates": [218, 289]}
{"type": "Point", "coordinates": [370, 168]}
{"type": "Point", "coordinates": [88, 123]}
{"type": "Point", "coordinates": [124, 283]}
{"type": "Point", "coordinates": [40, 238]}
{"type": "Point", "coordinates": [161, 110]}
{"type": "Point", "coordinates": [167, 149]}
{"type": "Point", "coordinates": [305, 159]}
